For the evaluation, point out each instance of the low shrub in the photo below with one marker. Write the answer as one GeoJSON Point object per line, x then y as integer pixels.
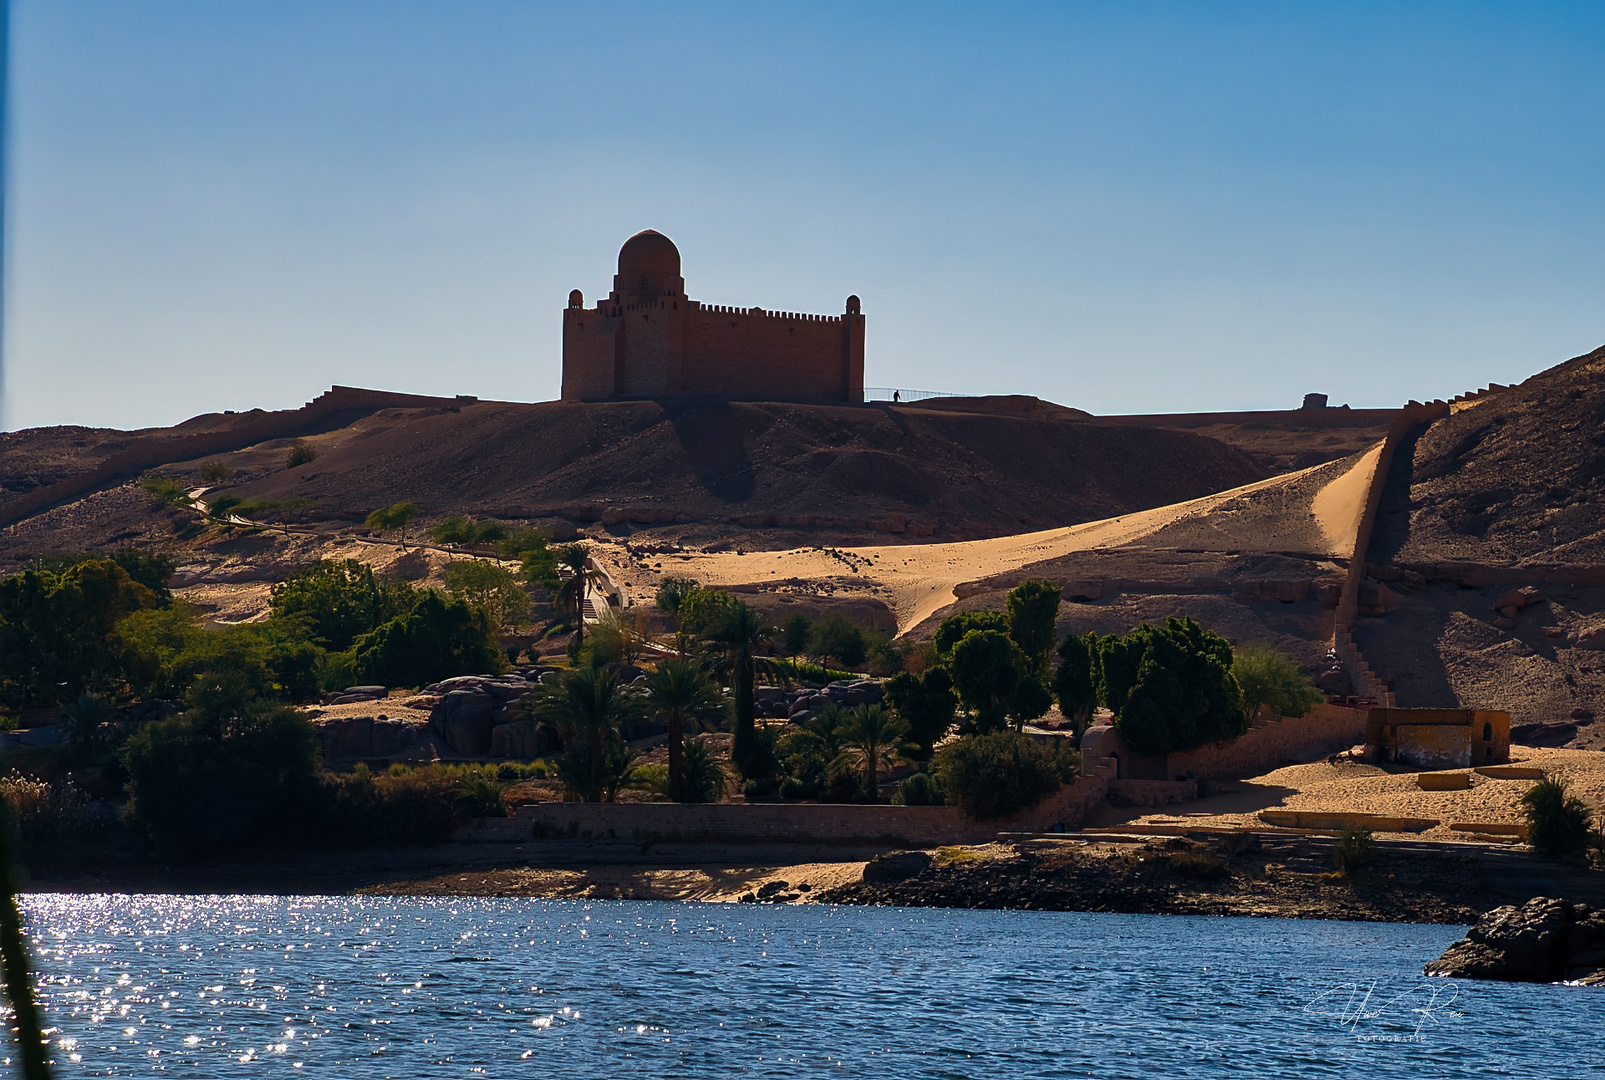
{"type": "Point", "coordinates": [1557, 821]}
{"type": "Point", "coordinates": [402, 806]}
{"type": "Point", "coordinates": [231, 771]}
{"type": "Point", "coordinates": [481, 797]}
{"type": "Point", "coordinates": [1198, 866]}
{"type": "Point", "coordinates": [993, 776]}
{"type": "Point", "coordinates": [920, 789]}
{"type": "Point", "coordinates": [52, 819]}
{"type": "Point", "coordinates": [1354, 849]}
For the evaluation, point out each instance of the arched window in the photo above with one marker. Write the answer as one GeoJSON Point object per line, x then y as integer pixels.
{"type": "Point", "coordinates": [1487, 733]}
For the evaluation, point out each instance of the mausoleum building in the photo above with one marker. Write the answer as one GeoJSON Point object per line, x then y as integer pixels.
{"type": "Point", "coordinates": [647, 339]}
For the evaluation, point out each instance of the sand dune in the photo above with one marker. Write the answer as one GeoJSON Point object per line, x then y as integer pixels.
{"type": "Point", "coordinates": [1316, 510]}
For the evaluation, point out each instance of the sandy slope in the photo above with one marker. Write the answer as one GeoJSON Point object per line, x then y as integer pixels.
{"type": "Point", "coordinates": [1376, 790]}
{"type": "Point", "coordinates": [1316, 510]}
{"type": "Point", "coordinates": [709, 884]}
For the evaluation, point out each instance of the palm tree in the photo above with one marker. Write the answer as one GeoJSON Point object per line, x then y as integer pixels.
{"type": "Point", "coordinates": [703, 779]}
{"type": "Point", "coordinates": [587, 706]}
{"type": "Point", "coordinates": [682, 691]}
{"type": "Point", "coordinates": [571, 592]}
{"type": "Point", "coordinates": [873, 735]}
{"type": "Point", "coordinates": [740, 636]}
{"type": "Point", "coordinates": [623, 632]}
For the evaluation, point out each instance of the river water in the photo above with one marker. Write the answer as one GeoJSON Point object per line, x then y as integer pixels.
{"type": "Point", "coordinates": [205, 986]}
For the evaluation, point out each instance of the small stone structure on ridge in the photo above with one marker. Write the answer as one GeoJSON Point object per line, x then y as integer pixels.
{"type": "Point", "coordinates": [648, 339]}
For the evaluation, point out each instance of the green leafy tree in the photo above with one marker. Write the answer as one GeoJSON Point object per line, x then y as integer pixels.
{"type": "Point", "coordinates": [229, 771]}
{"type": "Point", "coordinates": [835, 637]}
{"type": "Point", "coordinates": [741, 636]}
{"type": "Point", "coordinates": [588, 707]}
{"type": "Point", "coordinates": [795, 633]}
{"type": "Point", "coordinates": [1270, 677]}
{"type": "Point", "coordinates": [1557, 821]}
{"type": "Point", "coordinates": [151, 569]}
{"type": "Point", "coordinates": [163, 652]}
{"type": "Point", "coordinates": [622, 634]}
{"type": "Point", "coordinates": [927, 703]}
{"type": "Point", "coordinates": [1171, 687]}
{"type": "Point", "coordinates": [221, 509]}
{"type": "Point", "coordinates": [682, 692]}
{"type": "Point", "coordinates": [1031, 698]}
{"type": "Point", "coordinates": [672, 592]}
{"type": "Point", "coordinates": [703, 611]}
{"type": "Point", "coordinates": [394, 518]}
{"type": "Point", "coordinates": [953, 628]}
{"type": "Point", "coordinates": [539, 568]}
{"type": "Point", "coordinates": [437, 639]}
{"type": "Point", "coordinates": [460, 531]}
{"type": "Point", "coordinates": [1032, 609]}
{"type": "Point", "coordinates": [1075, 684]}
{"type": "Point", "coordinates": [56, 630]}
{"type": "Point", "coordinates": [993, 776]}
{"type": "Point", "coordinates": [919, 789]}
{"type": "Point", "coordinates": [873, 737]}
{"type": "Point", "coordinates": [339, 601]}
{"type": "Point", "coordinates": [521, 542]}
{"type": "Point", "coordinates": [490, 587]}
{"type": "Point", "coordinates": [987, 668]}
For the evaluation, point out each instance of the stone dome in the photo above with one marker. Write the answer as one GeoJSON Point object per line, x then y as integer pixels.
{"type": "Point", "coordinates": [649, 252]}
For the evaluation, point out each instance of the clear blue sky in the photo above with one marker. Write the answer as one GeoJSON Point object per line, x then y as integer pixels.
{"type": "Point", "coordinates": [1125, 207]}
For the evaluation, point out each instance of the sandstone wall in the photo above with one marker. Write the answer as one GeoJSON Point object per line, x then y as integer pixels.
{"type": "Point", "coordinates": [789, 823]}
{"type": "Point", "coordinates": [753, 353]}
{"type": "Point", "coordinates": [912, 826]}
{"type": "Point", "coordinates": [1269, 744]}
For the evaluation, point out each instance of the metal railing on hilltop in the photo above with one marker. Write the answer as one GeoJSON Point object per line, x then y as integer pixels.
{"type": "Point", "coordinates": [899, 394]}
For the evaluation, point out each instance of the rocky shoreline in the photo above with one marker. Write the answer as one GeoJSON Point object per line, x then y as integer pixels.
{"type": "Point", "coordinates": [1543, 940]}
{"type": "Point", "coordinates": [1247, 875]}
{"type": "Point", "coordinates": [1242, 876]}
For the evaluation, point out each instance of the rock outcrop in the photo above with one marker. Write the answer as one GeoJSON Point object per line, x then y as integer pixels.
{"type": "Point", "coordinates": [1543, 940]}
{"type": "Point", "coordinates": [896, 866]}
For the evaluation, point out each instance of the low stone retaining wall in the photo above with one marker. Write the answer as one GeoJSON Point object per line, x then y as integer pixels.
{"type": "Point", "coordinates": [800, 823]}
{"type": "Point", "coordinates": [1152, 792]}
{"type": "Point", "coordinates": [1272, 743]}
{"type": "Point", "coordinates": [1269, 744]}
{"type": "Point", "coordinates": [787, 823]}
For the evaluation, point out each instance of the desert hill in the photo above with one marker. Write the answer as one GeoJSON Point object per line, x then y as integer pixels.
{"type": "Point", "coordinates": [1490, 497]}
{"type": "Point", "coordinates": [701, 472]}
{"type": "Point", "coordinates": [1517, 478]}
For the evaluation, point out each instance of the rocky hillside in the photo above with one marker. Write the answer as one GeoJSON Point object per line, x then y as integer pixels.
{"type": "Point", "coordinates": [1513, 479]}
{"type": "Point", "coordinates": [703, 472]}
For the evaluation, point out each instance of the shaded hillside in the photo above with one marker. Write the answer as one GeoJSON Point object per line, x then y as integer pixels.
{"type": "Point", "coordinates": [706, 472]}
{"type": "Point", "coordinates": [1516, 478]}
{"type": "Point", "coordinates": [1281, 441]}
{"type": "Point", "coordinates": [713, 465]}
{"type": "Point", "coordinates": [1505, 493]}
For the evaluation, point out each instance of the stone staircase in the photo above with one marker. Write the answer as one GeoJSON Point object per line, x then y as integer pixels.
{"type": "Point", "coordinates": [1367, 683]}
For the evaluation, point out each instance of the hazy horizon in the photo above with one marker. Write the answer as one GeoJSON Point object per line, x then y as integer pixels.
{"type": "Point", "coordinates": [1120, 207]}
